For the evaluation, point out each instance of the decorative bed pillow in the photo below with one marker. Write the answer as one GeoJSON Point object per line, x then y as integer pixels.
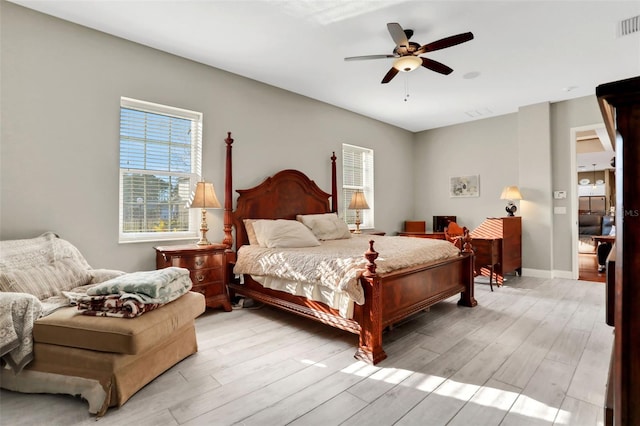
{"type": "Point", "coordinates": [251, 233]}
{"type": "Point", "coordinates": [27, 253]}
{"type": "Point", "coordinates": [283, 233]}
{"type": "Point", "coordinates": [64, 250]}
{"type": "Point", "coordinates": [44, 280]}
{"type": "Point", "coordinates": [327, 226]}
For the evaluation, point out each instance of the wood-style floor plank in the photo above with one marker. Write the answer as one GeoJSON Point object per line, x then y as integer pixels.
{"type": "Point", "coordinates": [534, 351]}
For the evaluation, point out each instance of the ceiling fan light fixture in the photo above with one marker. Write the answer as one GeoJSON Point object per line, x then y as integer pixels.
{"type": "Point", "coordinates": [407, 63]}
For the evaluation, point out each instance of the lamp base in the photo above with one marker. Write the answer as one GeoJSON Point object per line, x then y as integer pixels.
{"type": "Point", "coordinates": [204, 242]}
{"type": "Point", "coordinates": [203, 230]}
{"type": "Point", "coordinates": [511, 209]}
{"type": "Point", "coordinates": [357, 230]}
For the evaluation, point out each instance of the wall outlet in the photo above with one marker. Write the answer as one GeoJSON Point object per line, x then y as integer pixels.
{"type": "Point", "coordinates": [559, 210]}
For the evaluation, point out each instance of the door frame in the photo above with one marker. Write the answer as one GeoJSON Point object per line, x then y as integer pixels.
{"type": "Point", "coordinates": [575, 266]}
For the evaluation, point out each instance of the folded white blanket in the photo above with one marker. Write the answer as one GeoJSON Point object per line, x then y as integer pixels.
{"type": "Point", "coordinates": [18, 313]}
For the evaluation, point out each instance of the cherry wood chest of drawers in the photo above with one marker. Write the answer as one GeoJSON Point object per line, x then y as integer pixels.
{"type": "Point", "coordinates": [207, 269]}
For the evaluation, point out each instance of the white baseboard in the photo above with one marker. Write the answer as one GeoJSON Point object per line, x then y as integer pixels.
{"type": "Point", "coordinates": [568, 275]}
{"type": "Point", "coordinates": [537, 273]}
{"type": "Point", "coordinates": [541, 273]}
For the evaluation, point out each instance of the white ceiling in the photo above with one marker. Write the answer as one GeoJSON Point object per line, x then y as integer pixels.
{"type": "Point", "coordinates": [524, 52]}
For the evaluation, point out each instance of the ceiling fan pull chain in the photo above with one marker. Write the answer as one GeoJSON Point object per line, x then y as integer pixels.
{"type": "Point", "coordinates": [406, 87]}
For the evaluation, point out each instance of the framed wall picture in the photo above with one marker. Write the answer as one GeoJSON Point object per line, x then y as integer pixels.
{"type": "Point", "coordinates": [464, 186]}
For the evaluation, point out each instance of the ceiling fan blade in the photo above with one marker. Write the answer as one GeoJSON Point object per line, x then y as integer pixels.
{"type": "Point", "coordinates": [444, 43]}
{"type": "Point", "coordinates": [360, 58]}
{"type": "Point", "coordinates": [436, 66]}
{"type": "Point", "coordinates": [392, 73]}
{"type": "Point", "coordinates": [397, 34]}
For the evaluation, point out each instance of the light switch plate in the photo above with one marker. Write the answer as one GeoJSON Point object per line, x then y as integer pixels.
{"type": "Point", "coordinates": [559, 195]}
{"type": "Point", "coordinates": [559, 210]}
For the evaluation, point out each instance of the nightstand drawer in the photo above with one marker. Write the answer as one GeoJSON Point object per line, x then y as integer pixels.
{"type": "Point", "coordinates": [204, 276]}
{"type": "Point", "coordinates": [210, 290]}
{"type": "Point", "coordinates": [198, 262]}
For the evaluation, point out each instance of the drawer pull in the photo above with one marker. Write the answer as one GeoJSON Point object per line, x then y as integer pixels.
{"type": "Point", "coordinates": [199, 262]}
{"type": "Point", "coordinates": [200, 278]}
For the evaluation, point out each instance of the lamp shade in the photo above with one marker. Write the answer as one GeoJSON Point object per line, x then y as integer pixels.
{"type": "Point", "coordinates": [511, 193]}
{"type": "Point", "coordinates": [407, 63]}
{"type": "Point", "coordinates": [358, 202]}
{"type": "Point", "coordinates": [205, 197]}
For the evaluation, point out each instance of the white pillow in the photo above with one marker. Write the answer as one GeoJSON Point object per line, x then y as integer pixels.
{"type": "Point", "coordinates": [251, 234]}
{"type": "Point", "coordinates": [327, 226]}
{"type": "Point", "coordinates": [283, 233]}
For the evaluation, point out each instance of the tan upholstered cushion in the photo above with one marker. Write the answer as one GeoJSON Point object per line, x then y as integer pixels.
{"type": "Point", "coordinates": [67, 327]}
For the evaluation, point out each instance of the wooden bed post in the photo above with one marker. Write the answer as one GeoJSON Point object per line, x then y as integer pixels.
{"type": "Point", "coordinates": [228, 195]}
{"type": "Point", "coordinates": [467, 297]}
{"type": "Point", "coordinates": [370, 344]}
{"type": "Point", "coordinates": [334, 185]}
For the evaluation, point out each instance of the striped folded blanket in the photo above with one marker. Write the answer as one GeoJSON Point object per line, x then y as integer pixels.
{"type": "Point", "coordinates": [113, 305]}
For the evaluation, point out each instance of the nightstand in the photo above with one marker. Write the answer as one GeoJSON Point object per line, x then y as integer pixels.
{"type": "Point", "coordinates": [206, 265]}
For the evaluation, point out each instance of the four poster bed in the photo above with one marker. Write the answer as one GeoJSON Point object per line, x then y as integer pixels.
{"type": "Point", "coordinates": [388, 294]}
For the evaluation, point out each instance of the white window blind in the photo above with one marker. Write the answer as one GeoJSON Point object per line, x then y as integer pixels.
{"type": "Point", "coordinates": [357, 175]}
{"type": "Point", "coordinates": [160, 164]}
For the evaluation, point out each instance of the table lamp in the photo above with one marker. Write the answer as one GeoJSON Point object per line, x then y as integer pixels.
{"type": "Point", "coordinates": [358, 202]}
{"type": "Point", "coordinates": [511, 193]}
{"type": "Point", "coordinates": [204, 198]}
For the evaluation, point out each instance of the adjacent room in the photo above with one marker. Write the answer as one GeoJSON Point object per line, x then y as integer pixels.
{"type": "Point", "coordinates": [445, 171]}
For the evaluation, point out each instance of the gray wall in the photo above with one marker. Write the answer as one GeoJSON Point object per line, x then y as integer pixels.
{"type": "Point", "coordinates": [531, 149]}
{"type": "Point", "coordinates": [60, 91]}
{"type": "Point", "coordinates": [487, 148]}
{"type": "Point", "coordinates": [565, 116]}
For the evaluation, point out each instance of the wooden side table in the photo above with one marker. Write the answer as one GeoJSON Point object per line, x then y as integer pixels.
{"type": "Point", "coordinates": [206, 265]}
{"type": "Point", "coordinates": [487, 253]}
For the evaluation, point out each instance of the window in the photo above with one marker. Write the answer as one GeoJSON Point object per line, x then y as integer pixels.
{"type": "Point", "coordinates": [160, 164]}
{"type": "Point", "coordinates": [357, 175]}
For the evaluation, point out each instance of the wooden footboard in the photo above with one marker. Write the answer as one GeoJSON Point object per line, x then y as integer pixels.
{"type": "Point", "coordinates": [392, 297]}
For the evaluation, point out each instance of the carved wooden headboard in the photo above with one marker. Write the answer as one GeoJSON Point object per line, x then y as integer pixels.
{"type": "Point", "coordinates": [281, 196]}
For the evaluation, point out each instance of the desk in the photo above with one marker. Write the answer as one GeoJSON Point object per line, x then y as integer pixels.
{"type": "Point", "coordinates": [432, 235]}
{"type": "Point", "coordinates": [507, 231]}
{"type": "Point", "coordinates": [604, 238]}
{"type": "Point", "coordinates": [487, 253]}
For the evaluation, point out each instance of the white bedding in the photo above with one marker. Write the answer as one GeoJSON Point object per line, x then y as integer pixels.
{"type": "Point", "coordinates": [337, 265]}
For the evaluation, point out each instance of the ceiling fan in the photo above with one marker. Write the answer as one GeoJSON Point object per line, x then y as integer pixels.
{"type": "Point", "coordinates": [407, 53]}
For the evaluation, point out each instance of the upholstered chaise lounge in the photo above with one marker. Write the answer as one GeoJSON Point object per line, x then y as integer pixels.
{"type": "Point", "coordinates": [103, 359]}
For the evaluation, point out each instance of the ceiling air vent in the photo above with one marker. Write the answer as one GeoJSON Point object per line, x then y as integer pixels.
{"type": "Point", "coordinates": [629, 26]}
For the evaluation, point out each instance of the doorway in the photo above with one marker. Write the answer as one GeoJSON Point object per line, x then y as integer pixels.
{"type": "Point", "coordinates": [593, 176]}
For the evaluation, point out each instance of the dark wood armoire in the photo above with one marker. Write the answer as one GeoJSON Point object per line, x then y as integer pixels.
{"type": "Point", "coordinates": [620, 105]}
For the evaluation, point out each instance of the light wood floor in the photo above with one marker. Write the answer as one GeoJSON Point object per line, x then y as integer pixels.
{"type": "Point", "coordinates": [534, 352]}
